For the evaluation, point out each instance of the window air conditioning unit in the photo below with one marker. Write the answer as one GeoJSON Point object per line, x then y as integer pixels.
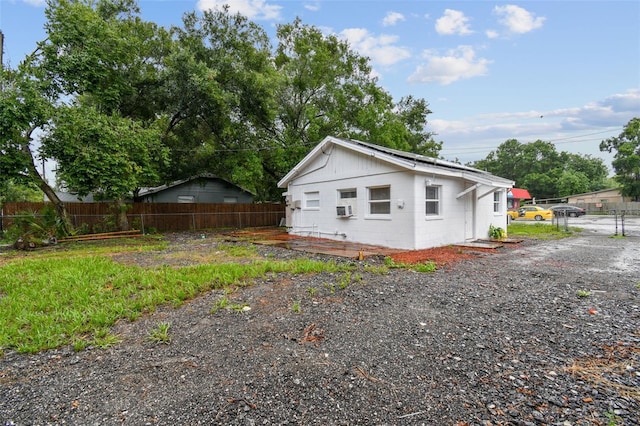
{"type": "Point", "coordinates": [344, 211]}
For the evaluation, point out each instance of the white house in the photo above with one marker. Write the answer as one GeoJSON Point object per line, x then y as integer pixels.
{"type": "Point", "coordinates": [354, 191]}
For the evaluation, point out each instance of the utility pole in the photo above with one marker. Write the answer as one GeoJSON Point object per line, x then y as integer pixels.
{"type": "Point", "coordinates": [1, 58]}
{"type": "Point", "coordinates": [1, 51]}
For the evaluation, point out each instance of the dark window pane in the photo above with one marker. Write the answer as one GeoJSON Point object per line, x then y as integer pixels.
{"type": "Point", "coordinates": [380, 208]}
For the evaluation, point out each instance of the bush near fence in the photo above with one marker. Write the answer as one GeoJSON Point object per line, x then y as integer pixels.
{"type": "Point", "coordinates": [161, 217]}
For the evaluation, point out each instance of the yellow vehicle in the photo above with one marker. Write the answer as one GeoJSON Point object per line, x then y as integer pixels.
{"type": "Point", "coordinates": [513, 213]}
{"type": "Point", "coordinates": [531, 212]}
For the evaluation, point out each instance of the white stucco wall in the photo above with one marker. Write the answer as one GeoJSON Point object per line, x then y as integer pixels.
{"type": "Point", "coordinates": [407, 226]}
{"type": "Point", "coordinates": [448, 227]}
{"type": "Point", "coordinates": [346, 170]}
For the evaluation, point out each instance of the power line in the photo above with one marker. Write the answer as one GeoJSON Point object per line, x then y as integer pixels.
{"type": "Point", "coordinates": [558, 141]}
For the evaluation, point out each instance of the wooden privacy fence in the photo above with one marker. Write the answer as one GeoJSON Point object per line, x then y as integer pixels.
{"type": "Point", "coordinates": [160, 216]}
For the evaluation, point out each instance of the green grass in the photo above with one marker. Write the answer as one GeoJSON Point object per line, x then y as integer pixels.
{"type": "Point", "coordinates": [583, 293]}
{"type": "Point", "coordinates": [541, 231]}
{"type": "Point", "coordinates": [236, 250]}
{"type": "Point", "coordinates": [54, 298]}
{"type": "Point", "coordinates": [426, 267]}
{"type": "Point", "coordinates": [160, 334]}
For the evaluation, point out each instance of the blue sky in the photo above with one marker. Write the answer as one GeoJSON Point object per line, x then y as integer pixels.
{"type": "Point", "coordinates": [567, 72]}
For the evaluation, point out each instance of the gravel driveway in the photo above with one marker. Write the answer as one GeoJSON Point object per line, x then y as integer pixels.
{"type": "Point", "coordinates": [500, 339]}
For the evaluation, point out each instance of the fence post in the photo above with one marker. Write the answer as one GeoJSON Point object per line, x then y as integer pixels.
{"type": "Point", "coordinates": [142, 222]}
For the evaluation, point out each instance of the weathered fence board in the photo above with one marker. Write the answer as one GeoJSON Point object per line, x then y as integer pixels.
{"type": "Point", "coordinates": [161, 216]}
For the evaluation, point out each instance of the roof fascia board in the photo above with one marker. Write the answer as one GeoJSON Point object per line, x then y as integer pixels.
{"type": "Point", "coordinates": [307, 159]}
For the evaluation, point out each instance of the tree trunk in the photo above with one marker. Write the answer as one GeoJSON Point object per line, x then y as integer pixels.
{"type": "Point", "coordinates": [61, 211]}
{"type": "Point", "coordinates": [123, 221]}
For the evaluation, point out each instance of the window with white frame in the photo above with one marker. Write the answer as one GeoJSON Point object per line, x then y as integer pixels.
{"type": "Point", "coordinates": [312, 200]}
{"type": "Point", "coordinates": [347, 194]}
{"type": "Point", "coordinates": [432, 200]}
{"type": "Point", "coordinates": [380, 200]}
{"type": "Point", "coordinates": [497, 201]}
{"type": "Point", "coordinates": [348, 197]}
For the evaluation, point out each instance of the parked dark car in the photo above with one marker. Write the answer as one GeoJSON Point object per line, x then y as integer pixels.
{"type": "Point", "coordinates": [571, 211]}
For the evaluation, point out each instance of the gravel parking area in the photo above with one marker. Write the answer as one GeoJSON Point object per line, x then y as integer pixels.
{"type": "Point", "coordinates": [508, 337]}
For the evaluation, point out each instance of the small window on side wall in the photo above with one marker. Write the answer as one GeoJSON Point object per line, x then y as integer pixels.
{"type": "Point", "coordinates": [497, 201]}
{"type": "Point", "coordinates": [312, 200]}
{"type": "Point", "coordinates": [380, 200]}
{"type": "Point", "coordinates": [432, 200]}
{"type": "Point", "coordinates": [347, 194]}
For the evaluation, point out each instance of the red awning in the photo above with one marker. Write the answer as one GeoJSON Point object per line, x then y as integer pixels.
{"type": "Point", "coordinates": [521, 194]}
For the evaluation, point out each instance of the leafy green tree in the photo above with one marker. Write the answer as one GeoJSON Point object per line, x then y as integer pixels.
{"type": "Point", "coordinates": [104, 154]}
{"type": "Point", "coordinates": [572, 182]}
{"type": "Point", "coordinates": [504, 161]}
{"type": "Point", "coordinates": [543, 171]}
{"type": "Point", "coordinates": [103, 64]}
{"type": "Point", "coordinates": [102, 50]}
{"type": "Point", "coordinates": [24, 109]}
{"type": "Point", "coordinates": [219, 83]}
{"type": "Point", "coordinates": [11, 192]}
{"type": "Point", "coordinates": [328, 89]}
{"type": "Point", "coordinates": [626, 162]}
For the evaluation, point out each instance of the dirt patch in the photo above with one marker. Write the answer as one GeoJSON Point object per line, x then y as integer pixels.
{"type": "Point", "coordinates": [443, 256]}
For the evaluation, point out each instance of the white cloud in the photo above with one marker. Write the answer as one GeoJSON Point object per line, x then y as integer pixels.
{"type": "Point", "coordinates": [252, 9]}
{"type": "Point", "coordinates": [517, 19]}
{"type": "Point", "coordinates": [35, 2]}
{"type": "Point", "coordinates": [453, 22]}
{"type": "Point", "coordinates": [392, 18]}
{"type": "Point", "coordinates": [614, 110]}
{"type": "Point", "coordinates": [492, 34]}
{"type": "Point", "coordinates": [314, 7]}
{"type": "Point", "coordinates": [381, 49]}
{"type": "Point", "coordinates": [624, 102]}
{"type": "Point", "coordinates": [576, 129]}
{"type": "Point", "coordinates": [459, 63]}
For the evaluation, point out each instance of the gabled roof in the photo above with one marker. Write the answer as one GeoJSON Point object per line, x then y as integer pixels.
{"type": "Point", "coordinates": [521, 194]}
{"type": "Point", "coordinates": [406, 160]}
{"type": "Point", "coordinates": [147, 191]}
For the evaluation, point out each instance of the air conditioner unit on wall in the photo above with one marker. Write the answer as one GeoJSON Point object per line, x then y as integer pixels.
{"type": "Point", "coordinates": [344, 211]}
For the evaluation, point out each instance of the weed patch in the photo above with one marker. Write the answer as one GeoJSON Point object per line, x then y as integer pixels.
{"type": "Point", "coordinates": [74, 296]}
{"type": "Point", "coordinates": [160, 333]}
{"type": "Point", "coordinates": [540, 231]}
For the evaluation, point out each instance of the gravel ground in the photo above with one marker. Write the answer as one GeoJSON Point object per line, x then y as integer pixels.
{"type": "Point", "coordinates": [499, 339]}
